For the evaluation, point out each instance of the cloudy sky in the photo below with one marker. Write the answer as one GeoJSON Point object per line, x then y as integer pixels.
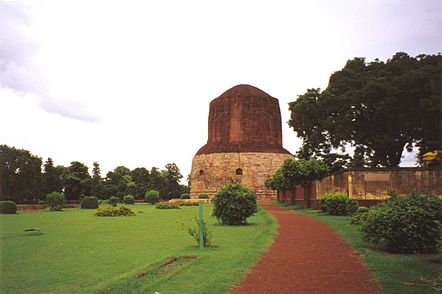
{"type": "Point", "coordinates": [129, 82]}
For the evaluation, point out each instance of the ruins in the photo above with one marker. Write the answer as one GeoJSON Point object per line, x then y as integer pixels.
{"type": "Point", "coordinates": [244, 143]}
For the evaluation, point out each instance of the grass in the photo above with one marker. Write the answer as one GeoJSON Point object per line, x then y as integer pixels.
{"type": "Point", "coordinates": [77, 252]}
{"type": "Point", "coordinates": [395, 273]}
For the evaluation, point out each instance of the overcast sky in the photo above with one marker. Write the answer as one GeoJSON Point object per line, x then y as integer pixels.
{"type": "Point", "coordinates": [130, 82]}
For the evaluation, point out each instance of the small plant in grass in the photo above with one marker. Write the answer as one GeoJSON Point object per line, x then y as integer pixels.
{"type": "Point", "coordinates": [203, 196]}
{"type": "Point", "coordinates": [113, 201]}
{"type": "Point", "coordinates": [167, 206]}
{"type": "Point", "coordinates": [129, 199]}
{"type": "Point", "coordinates": [152, 196]}
{"type": "Point", "coordinates": [8, 207]}
{"type": "Point", "coordinates": [55, 201]}
{"type": "Point", "coordinates": [194, 233]}
{"type": "Point", "coordinates": [337, 204]}
{"type": "Point", "coordinates": [408, 224]}
{"type": "Point", "coordinates": [108, 210]}
{"type": "Point", "coordinates": [233, 204]}
{"type": "Point", "coordinates": [185, 196]}
{"type": "Point", "coordinates": [89, 202]}
{"type": "Point", "coordinates": [360, 216]}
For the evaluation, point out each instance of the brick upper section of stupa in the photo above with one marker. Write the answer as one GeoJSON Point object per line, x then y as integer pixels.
{"type": "Point", "coordinates": [244, 119]}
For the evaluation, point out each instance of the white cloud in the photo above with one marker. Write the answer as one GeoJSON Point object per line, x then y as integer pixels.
{"type": "Point", "coordinates": [144, 72]}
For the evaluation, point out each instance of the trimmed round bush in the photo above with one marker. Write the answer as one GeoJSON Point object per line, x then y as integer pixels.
{"type": "Point", "coordinates": [8, 207]}
{"type": "Point", "coordinates": [203, 196]}
{"type": "Point", "coordinates": [185, 196]}
{"type": "Point", "coordinates": [337, 204]}
{"type": "Point", "coordinates": [89, 202]}
{"type": "Point", "coordinates": [233, 204]}
{"type": "Point", "coordinates": [129, 199]}
{"type": "Point", "coordinates": [152, 196]}
{"type": "Point", "coordinates": [408, 224]}
{"type": "Point", "coordinates": [113, 201]}
{"type": "Point", "coordinates": [107, 210]}
{"type": "Point", "coordinates": [55, 201]}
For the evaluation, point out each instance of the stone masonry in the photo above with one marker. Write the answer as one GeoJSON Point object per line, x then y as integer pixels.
{"type": "Point", "coordinates": [244, 143]}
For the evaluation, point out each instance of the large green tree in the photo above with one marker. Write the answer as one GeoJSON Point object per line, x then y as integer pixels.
{"type": "Point", "coordinates": [52, 181]}
{"type": "Point", "coordinates": [375, 109]}
{"type": "Point", "coordinates": [20, 174]}
{"type": "Point", "coordinates": [76, 180]}
{"type": "Point", "coordinates": [171, 179]}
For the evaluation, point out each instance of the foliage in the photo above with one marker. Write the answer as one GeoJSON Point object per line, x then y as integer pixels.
{"type": "Point", "coordinates": [171, 178]}
{"type": "Point", "coordinates": [55, 201]}
{"type": "Point", "coordinates": [296, 172]}
{"type": "Point", "coordinates": [378, 108]}
{"type": "Point", "coordinates": [107, 210]}
{"type": "Point", "coordinates": [141, 178]}
{"type": "Point", "coordinates": [152, 196]}
{"type": "Point", "coordinates": [337, 204]}
{"type": "Point", "coordinates": [76, 180]}
{"type": "Point", "coordinates": [51, 177]}
{"type": "Point", "coordinates": [20, 175]}
{"type": "Point", "coordinates": [189, 204]}
{"type": "Point", "coordinates": [113, 201]}
{"type": "Point", "coordinates": [8, 207]}
{"type": "Point", "coordinates": [167, 206]}
{"type": "Point", "coordinates": [233, 204]}
{"type": "Point", "coordinates": [203, 196]}
{"type": "Point", "coordinates": [360, 216]}
{"type": "Point", "coordinates": [194, 233]}
{"type": "Point", "coordinates": [129, 199]}
{"type": "Point", "coordinates": [185, 196]}
{"type": "Point", "coordinates": [409, 224]}
{"type": "Point", "coordinates": [89, 202]}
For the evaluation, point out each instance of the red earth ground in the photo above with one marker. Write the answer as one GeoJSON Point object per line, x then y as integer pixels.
{"type": "Point", "coordinates": [306, 257]}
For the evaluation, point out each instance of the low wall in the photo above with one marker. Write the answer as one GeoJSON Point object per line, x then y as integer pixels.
{"type": "Point", "coordinates": [367, 186]}
{"type": "Point", "coordinates": [374, 184]}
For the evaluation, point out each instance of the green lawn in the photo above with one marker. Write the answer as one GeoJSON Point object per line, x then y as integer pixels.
{"type": "Point", "coordinates": [396, 273]}
{"type": "Point", "coordinates": [81, 253]}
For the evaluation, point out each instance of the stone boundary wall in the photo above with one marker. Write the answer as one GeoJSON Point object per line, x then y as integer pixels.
{"type": "Point", "coordinates": [374, 184]}
{"type": "Point", "coordinates": [367, 186]}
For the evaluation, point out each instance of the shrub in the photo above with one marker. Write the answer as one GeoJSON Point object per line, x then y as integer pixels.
{"type": "Point", "coordinates": [194, 233]}
{"type": "Point", "coordinates": [55, 201]}
{"type": "Point", "coordinates": [337, 204]}
{"type": "Point", "coordinates": [203, 196]}
{"type": "Point", "coordinates": [167, 206]}
{"type": "Point", "coordinates": [8, 207]}
{"type": "Point", "coordinates": [360, 216]}
{"type": "Point", "coordinates": [129, 199]}
{"type": "Point", "coordinates": [408, 224]}
{"type": "Point", "coordinates": [107, 210]}
{"type": "Point", "coordinates": [89, 202]}
{"type": "Point", "coordinates": [185, 196]}
{"type": "Point", "coordinates": [113, 201]}
{"type": "Point", "coordinates": [233, 204]}
{"type": "Point", "coordinates": [189, 204]}
{"type": "Point", "coordinates": [152, 196]}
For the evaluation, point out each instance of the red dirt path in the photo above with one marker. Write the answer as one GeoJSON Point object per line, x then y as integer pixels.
{"type": "Point", "coordinates": [306, 257]}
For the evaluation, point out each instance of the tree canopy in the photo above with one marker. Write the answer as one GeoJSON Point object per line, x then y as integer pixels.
{"type": "Point", "coordinates": [297, 172]}
{"type": "Point", "coordinates": [23, 178]}
{"type": "Point", "coordinates": [375, 108]}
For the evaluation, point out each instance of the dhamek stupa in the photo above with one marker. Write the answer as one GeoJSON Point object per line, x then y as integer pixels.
{"type": "Point", "coordinates": [244, 144]}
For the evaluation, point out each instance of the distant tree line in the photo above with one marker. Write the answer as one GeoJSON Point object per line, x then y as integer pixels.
{"type": "Point", "coordinates": [25, 178]}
